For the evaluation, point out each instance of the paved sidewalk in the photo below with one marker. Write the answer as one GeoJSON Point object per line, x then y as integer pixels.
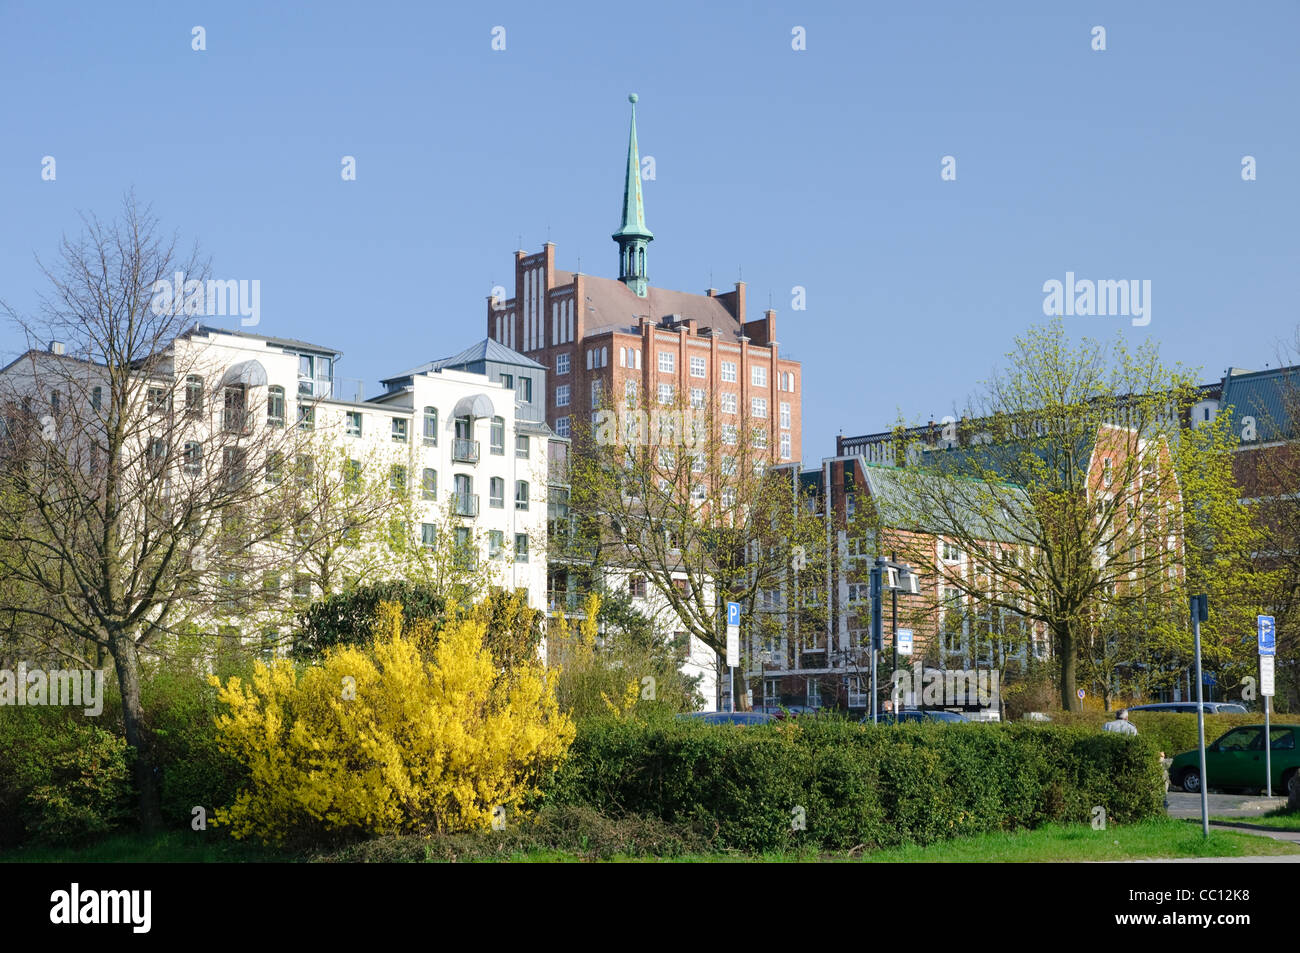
{"type": "Point", "coordinates": [1182, 804]}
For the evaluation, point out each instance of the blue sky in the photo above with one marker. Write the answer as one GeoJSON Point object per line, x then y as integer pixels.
{"type": "Point", "coordinates": [817, 168]}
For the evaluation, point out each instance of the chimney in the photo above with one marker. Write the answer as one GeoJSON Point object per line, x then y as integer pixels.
{"type": "Point", "coordinates": [57, 347]}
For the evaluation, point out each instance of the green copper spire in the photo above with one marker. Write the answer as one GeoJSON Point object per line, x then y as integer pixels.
{"type": "Point", "coordinates": [632, 235]}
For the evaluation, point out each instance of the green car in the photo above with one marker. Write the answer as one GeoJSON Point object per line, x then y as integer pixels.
{"type": "Point", "coordinates": [1236, 760]}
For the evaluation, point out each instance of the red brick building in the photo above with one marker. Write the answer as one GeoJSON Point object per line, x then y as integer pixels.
{"type": "Point", "coordinates": [608, 338]}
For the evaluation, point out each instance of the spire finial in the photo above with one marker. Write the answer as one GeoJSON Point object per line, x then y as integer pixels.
{"type": "Point", "coordinates": [633, 236]}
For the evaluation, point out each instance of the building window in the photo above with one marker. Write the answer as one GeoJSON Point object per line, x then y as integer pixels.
{"type": "Point", "coordinates": [521, 446]}
{"type": "Point", "coordinates": [697, 398]}
{"type": "Point", "coordinates": [429, 484]}
{"type": "Point", "coordinates": [785, 415]}
{"type": "Point", "coordinates": [275, 406]}
{"type": "Point", "coordinates": [758, 376]}
{"type": "Point", "coordinates": [497, 493]}
{"type": "Point", "coordinates": [155, 400]}
{"type": "Point", "coordinates": [1107, 472]}
{"type": "Point", "coordinates": [728, 403]}
{"type": "Point", "coordinates": [728, 466]}
{"type": "Point", "coordinates": [562, 426]}
{"type": "Point", "coordinates": [428, 535]}
{"type": "Point", "coordinates": [352, 474]}
{"type": "Point", "coordinates": [728, 497]}
{"type": "Point", "coordinates": [302, 587]}
{"type": "Point", "coordinates": [521, 494]}
{"type": "Point", "coordinates": [354, 423]}
{"type": "Point", "coordinates": [233, 418]}
{"type": "Point", "coordinates": [562, 395]}
{"type": "Point", "coordinates": [521, 547]}
{"type": "Point", "coordinates": [951, 553]}
{"type": "Point", "coordinates": [274, 468]}
{"type": "Point", "coordinates": [431, 426]}
{"type": "Point", "coordinates": [729, 434]}
{"type": "Point", "coordinates": [399, 430]}
{"type": "Point", "coordinates": [667, 362]}
{"type": "Point", "coordinates": [397, 479]}
{"type": "Point", "coordinates": [508, 381]}
{"type": "Point", "coordinates": [814, 693]}
{"type": "Point", "coordinates": [758, 406]}
{"type": "Point", "coordinates": [665, 393]}
{"type": "Point", "coordinates": [192, 458]}
{"type": "Point", "coordinates": [496, 542]}
{"type": "Point", "coordinates": [194, 395]}
{"type": "Point", "coordinates": [306, 417]}
{"type": "Point", "coordinates": [629, 392]}
{"type": "Point", "coordinates": [785, 451]}
{"type": "Point", "coordinates": [698, 367]}
{"type": "Point", "coordinates": [597, 393]}
{"type": "Point", "coordinates": [499, 436]}
{"type": "Point", "coordinates": [760, 437]}
{"type": "Point", "coordinates": [524, 388]}
{"type": "Point", "coordinates": [729, 371]}
{"type": "Point", "coordinates": [636, 587]}
{"type": "Point", "coordinates": [561, 363]}
{"type": "Point", "coordinates": [96, 397]}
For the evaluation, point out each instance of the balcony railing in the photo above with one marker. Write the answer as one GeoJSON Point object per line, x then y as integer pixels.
{"type": "Point", "coordinates": [466, 504]}
{"type": "Point", "coordinates": [464, 451]}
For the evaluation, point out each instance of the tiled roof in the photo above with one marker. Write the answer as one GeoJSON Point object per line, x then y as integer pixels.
{"type": "Point", "coordinates": [612, 305]}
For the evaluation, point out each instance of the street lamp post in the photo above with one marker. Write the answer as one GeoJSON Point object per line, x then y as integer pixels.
{"type": "Point", "coordinates": [895, 577]}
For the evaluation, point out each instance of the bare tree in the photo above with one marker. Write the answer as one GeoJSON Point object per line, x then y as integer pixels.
{"type": "Point", "coordinates": [683, 496]}
{"type": "Point", "coordinates": [132, 494]}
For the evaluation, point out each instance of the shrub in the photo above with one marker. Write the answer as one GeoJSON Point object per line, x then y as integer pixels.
{"type": "Point", "coordinates": [851, 784]}
{"type": "Point", "coordinates": [62, 779]}
{"type": "Point", "coordinates": [382, 742]}
{"type": "Point", "coordinates": [347, 618]}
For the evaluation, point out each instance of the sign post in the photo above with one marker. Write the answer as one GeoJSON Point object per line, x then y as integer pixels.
{"type": "Point", "coordinates": [1267, 657]}
{"type": "Point", "coordinates": [1201, 613]}
{"type": "Point", "coordinates": [733, 648]}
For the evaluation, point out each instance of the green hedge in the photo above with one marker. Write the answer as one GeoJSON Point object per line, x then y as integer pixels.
{"type": "Point", "coordinates": [746, 787]}
{"type": "Point", "coordinates": [1171, 732]}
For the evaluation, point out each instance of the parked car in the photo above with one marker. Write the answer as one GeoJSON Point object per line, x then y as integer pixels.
{"type": "Point", "coordinates": [918, 714]}
{"type": "Point", "coordinates": [1236, 761]}
{"type": "Point", "coordinates": [730, 717]}
{"type": "Point", "coordinates": [1211, 708]}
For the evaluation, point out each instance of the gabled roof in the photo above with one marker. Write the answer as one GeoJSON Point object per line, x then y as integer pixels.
{"type": "Point", "coordinates": [484, 350]}
{"type": "Point", "coordinates": [1269, 396]}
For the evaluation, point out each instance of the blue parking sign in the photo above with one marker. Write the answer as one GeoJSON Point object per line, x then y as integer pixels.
{"type": "Point", "coordinates": [733, 613]}
{"type": "Point", "coordinates": [1267, 635]}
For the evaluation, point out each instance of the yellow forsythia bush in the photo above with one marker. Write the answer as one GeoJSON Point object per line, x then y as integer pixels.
{"type": "Point", "coordinates": [381, 741]}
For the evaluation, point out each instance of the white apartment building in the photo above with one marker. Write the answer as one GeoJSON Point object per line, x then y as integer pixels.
{"type": "Point", "coordinates": [455, 442]}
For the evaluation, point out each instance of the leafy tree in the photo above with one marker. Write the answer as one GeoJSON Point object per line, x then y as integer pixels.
{"type": "Point", "coordinates": [1059, 488]}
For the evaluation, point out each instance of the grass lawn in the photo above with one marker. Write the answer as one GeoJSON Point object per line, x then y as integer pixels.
{"type": "Point", "coordinates": [1280, 819]}
{"type": "Point", "coordinates": [1051, 844]}
{"type": "Point", "coordinates": [168, 848]}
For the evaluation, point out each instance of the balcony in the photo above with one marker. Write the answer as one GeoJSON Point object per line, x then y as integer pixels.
{"type": "Point", "coordinates": [570, 601]}
{"type": "Point", "coordinates": [464, 451]}
{"type": "Point", "coordinates": [466, 504]}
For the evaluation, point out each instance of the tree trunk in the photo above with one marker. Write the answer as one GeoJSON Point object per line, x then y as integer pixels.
{"type": "Point", "coordinates": [126, 657]}
{"type": "Point", "coordinates": [1069, 664]}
